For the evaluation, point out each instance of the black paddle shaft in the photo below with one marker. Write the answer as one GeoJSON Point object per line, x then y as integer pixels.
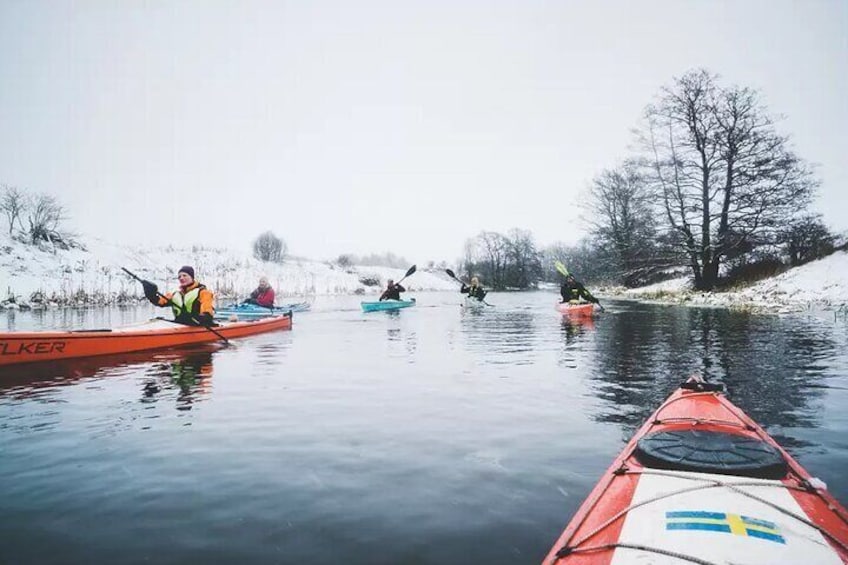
{"type": "Point", "coordinates": [160, 295]}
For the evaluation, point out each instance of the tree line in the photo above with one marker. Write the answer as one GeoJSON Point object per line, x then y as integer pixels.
{"type": "Point", "coordinates": [712, 189]}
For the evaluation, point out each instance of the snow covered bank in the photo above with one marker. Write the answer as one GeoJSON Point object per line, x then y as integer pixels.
{"type": "Point", "coordinates": [33, 277]}
{"type": "Point", "coordinates": [821, 284]}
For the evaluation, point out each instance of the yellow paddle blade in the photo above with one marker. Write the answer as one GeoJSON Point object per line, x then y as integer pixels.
{"type": "Point", "coordinates": [561, 268]}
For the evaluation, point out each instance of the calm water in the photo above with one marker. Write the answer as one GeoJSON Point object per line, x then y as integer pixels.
{"type": "Point", "coordinates": [425, 436]}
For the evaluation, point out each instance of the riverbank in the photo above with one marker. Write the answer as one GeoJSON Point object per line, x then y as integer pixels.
{"type": "Point", "coordinates": [33, 277]}
{"type": "Point", "coordinates": [818, 285]}
{"type": "Point", "coordinates": [44, 277]}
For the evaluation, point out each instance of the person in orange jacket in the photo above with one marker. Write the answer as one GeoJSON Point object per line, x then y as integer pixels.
{"type": "Point", "coordinates": [192, 303]}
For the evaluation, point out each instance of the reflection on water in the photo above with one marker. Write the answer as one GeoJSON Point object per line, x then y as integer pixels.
{"type": "Point", "coordinates": [191, 376]}
{"type": "Point", "coordinates": [770, 366]}
{"type": "Point", "coordinates": [506, 336]}
{"type": "Point", "coordinates": [76, 318]}
{"type": "Point", "coordinates": [575, 328]}
{"type": "Point", "coordinates": [426, 435]}
{"type": "Point", "coordinates": [186, 370]}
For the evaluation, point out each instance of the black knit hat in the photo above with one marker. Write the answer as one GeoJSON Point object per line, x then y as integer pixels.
{"type": "Point", "coordinates": [187, 270]}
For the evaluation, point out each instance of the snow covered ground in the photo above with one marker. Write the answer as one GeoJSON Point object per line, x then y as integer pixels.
{"type": "Point", "coordinates": [34, 277]}
{"type": "Point", "coordinates": [39, 277]}
{"type": "Point", "coordinates": [821, 284]}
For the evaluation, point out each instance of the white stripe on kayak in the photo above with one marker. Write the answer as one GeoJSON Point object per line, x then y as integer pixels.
{"type": "Point", "coordinates": [717, 524]}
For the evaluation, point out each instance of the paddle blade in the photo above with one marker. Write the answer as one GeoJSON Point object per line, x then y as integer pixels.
{"type": "Point", "coordinates": [450, 273]}
{"type": "Point", "coordinates": [410, 271]}
{"type": "Point", "coordinates": [561, 268]}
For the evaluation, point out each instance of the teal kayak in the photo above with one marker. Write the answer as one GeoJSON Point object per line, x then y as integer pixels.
{"type": "Point", "coordinates": [387, 305]}
{"type": "Point", "coordinates": [256, 312]}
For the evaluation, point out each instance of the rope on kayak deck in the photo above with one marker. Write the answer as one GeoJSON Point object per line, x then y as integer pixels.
{"type": "Point", "coordinates": [709, 483]}
{"type": "Point", "coordinates": [565, 552]}
{"type": "Point", "coordinates": [805, 488]}
{"type": "Point", "coordinates": [700, 421]}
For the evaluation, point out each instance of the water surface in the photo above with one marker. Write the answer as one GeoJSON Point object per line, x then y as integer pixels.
{"type": "Point", "coordinates": [424, 436]}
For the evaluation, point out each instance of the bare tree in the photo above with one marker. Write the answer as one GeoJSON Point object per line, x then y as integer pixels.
{"type": "Point", "coordinates": [525, 262]}
{"type": "Point", "coordinates": [13, 204]}
{"type": "Point", "coordinates": [44, 216]}
{"type": "Point", "coordinates": [269, 247]}
{"type": "Point", "coordinates": [720, 169]}
{"type": "Point", "coordinates": [344, 261]}
{"type": "Point", "coordinates": [487, 254]}
{"type": "Point", "coordinates": [585, 259]}
{"type": "Point", "coordinates": [807, 238]}
{"type": "Point", "coordinates": [622, 219]}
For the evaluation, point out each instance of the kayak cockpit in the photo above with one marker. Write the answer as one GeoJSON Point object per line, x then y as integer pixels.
{"type": "Point", "coordinates": [703, 451]}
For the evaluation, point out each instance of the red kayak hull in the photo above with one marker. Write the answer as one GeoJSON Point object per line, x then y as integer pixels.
{"type": "Point", "coordinates": [701, 515]}
{"type": "Point", "coordinates": [576, 310]}
{"type": "Point", "coordinates": [29, 347]}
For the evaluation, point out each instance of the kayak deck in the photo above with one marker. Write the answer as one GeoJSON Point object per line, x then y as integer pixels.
{"type": "Point", "coordinates": [578, 309]}
{"type": "Point", "coordinates": [254, 312]}
{"type": "Point", "coordinates": [701, 482]}
{"type": "Point", "coordinates": [386, 305]}
{"type": "Point", "coordinates": [28, 347]}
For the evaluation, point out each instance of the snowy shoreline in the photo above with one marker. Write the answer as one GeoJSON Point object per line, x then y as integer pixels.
{"type": "Point", "coordinates": [44, 278]}
{"type": "Point", "coordinates": [818, 285]}
{"type": "Point", "coordinates": [41, 278]}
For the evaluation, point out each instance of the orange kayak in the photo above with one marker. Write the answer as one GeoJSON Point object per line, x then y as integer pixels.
{"type": "Point", "coordinates": [28, 347]}
{"type": "Point", "coordinates": [701, 482]}
{"type": "Point", "coordinates": [579, 309]}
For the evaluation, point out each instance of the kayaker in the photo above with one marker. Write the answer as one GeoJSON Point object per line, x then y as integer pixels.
{"type": "Point", "coordinates": [392, 291]}
{"type": "Point", "coordinates": [572, 291]}
{"type": "Point", "coordinates": [475, 290]}
{"type": "Point", "coordinates": [192, 303]}
{"type": "Point", "coordinates": [263, 295]}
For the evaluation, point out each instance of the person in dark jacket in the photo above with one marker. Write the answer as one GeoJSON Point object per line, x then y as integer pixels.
{"type": "Point", "coordinates": [192, 303]}
{"type": "Point", "coordinates": [263, 295]}
{"type": "Point", "coordinates": [572, 291]}
{"type": "Point", "coordinates": [392, 291]}
{"type": "Point", "coordinates": [474, 290]}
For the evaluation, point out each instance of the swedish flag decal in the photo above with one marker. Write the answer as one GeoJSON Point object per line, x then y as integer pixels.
{"type": "Point", "coordinates": [725, 523]}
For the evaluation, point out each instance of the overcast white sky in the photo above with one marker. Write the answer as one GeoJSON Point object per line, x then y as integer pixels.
{"type": "Point", "coordinates": [380, 125]}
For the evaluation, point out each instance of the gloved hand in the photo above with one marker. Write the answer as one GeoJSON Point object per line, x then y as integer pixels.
{"type": "Point", "coordinates": [205, 319]}
{"type": "Point", "coordinates": [150, 291]}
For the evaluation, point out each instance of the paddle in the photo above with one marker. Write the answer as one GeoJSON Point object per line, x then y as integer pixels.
{"type": "Point", "coordinates": [396, 283]}
{"type": "Point", "coordinates": [454, 277]}
{"type": "Point", "coordinates": [564, 272]}
{"type": "Point", "coordinates": [409, 272]}
{"type": "Point", "coordinates": [160, 295]}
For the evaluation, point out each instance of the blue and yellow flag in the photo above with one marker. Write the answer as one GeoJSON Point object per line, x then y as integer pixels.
{"type": "Point", "coordinates": [722, 522]}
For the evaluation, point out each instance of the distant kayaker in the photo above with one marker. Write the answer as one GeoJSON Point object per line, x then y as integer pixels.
{"type": "Point", "coordinates": [263, 295]}
{"type": "Point", "coordinates": [475, 290]}
{"type": "Point", "coordinates": [192, 303]}
{"type": "Point", "coordinates": [572, 291]}
{"type": "Point", "coordinates": [392, 291]}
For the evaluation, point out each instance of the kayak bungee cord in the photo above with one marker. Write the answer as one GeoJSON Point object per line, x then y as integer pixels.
{"type": "Point", "coordinates": [805, 487]}
{"type": "Point", "coordinates": [712, 483]}
{"type": "Point", "coordinates": [645, 548]}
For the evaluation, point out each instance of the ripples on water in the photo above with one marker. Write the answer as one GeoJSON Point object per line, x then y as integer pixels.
{"type": "Point", "coordinates": [429, 435]}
